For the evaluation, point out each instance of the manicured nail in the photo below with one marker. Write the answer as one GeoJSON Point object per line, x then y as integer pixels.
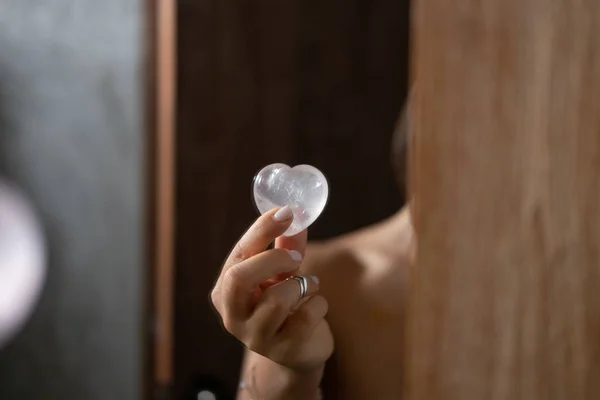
{"type": "Point", "coordinates": [283, 214]}
{"type": "Point", "coordinates": [314, 278]}
{"type": "Point", "coordinates": [295, 255]}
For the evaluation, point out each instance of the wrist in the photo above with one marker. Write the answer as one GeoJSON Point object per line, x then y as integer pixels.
{"type": "Point", "coordinates": [309, 378]}
{"type": "Point", "coordinates": [301, 384]}
{"type": "Point", "coordinates": [265, 379]}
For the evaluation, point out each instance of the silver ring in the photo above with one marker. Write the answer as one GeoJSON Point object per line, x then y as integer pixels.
{"type": "Point", "coordinates": [303, 282]}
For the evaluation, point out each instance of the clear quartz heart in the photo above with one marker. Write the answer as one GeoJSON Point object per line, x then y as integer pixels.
{"type": "Point", "coordinates": [303, 188]}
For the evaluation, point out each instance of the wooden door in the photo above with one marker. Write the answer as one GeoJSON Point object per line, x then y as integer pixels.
{"type": "Point", "coordinates": [506, 178]}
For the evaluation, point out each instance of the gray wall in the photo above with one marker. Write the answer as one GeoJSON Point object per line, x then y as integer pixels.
{"type": "Point", "coordinates": [72, 136]}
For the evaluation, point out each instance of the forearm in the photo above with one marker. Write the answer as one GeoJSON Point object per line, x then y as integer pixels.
{"type": "Point", "coordinates": [263, 379]}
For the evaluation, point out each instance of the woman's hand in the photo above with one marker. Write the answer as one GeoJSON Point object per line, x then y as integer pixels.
{"type": "Point", "coordinates": [263, 309]}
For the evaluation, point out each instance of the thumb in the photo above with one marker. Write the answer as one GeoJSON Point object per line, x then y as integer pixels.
{"type": "Point", "coordinates": [296, 242]}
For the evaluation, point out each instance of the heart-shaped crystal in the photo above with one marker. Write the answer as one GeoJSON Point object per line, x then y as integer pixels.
{"type": "Point", "coordinates": [303, 188]}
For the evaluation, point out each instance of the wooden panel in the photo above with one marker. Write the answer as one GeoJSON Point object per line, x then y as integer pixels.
{"type": "Point", "coordinates": [165, 62]}
{"type": "Point", "coordinates": [317, 82]}
{"type": "Point", "coordinates": [506, 179]}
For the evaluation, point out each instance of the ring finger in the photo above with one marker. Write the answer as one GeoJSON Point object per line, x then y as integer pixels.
{"type": "Point", "coordinates": [278, 301]}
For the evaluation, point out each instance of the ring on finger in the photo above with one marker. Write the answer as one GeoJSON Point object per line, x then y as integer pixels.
{"type": "Point", "coordinates": [302, 282]}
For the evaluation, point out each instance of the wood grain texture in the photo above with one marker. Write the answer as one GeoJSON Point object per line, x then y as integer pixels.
{"type": "Point", "coordinates": [165, 64]}
{"type": "Point", "coordinates": [506, 177]}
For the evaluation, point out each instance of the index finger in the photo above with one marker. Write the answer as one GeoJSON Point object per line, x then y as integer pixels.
{"type": "Point", "coordinates": [260, 235]}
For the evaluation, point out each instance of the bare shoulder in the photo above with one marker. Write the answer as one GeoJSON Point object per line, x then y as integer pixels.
{"type": "Point", "coordinates": [333, 262]}
{"type": "Point", "coordinates": [350, 268]}
{"type": "Point", "coordinates": [365, 268]}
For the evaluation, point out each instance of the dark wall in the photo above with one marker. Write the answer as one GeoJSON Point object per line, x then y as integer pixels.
{"type": "Point", "coordinates": [72, 137]}
{"type": "Point", "coordinates": [297, 81]}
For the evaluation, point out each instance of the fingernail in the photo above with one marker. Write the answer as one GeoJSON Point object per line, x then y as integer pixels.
{"type": "Point", "coordinates": [283, 214]}
{"type": "Point", "coordinates": [314, 278]}
{"type": "Point", "coordinates": [295, 255]}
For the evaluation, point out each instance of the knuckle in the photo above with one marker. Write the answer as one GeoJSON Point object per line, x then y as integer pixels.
{"type": "Point", "coordinates": [264, 225]}
{"type": "Point", "coordinates": [266, 229]}
{"type": "Point", "coordinates": [240, 253]}
{"type": "Point", "coordinates": [232, 281]}
{"type": "Point", "coordinates": [214, 297]}
{"type": "Point", "coordinates": [229, 325]}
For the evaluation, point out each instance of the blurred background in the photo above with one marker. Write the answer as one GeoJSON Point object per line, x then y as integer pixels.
{"type": "Point", "coordinates": [297, 82]}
